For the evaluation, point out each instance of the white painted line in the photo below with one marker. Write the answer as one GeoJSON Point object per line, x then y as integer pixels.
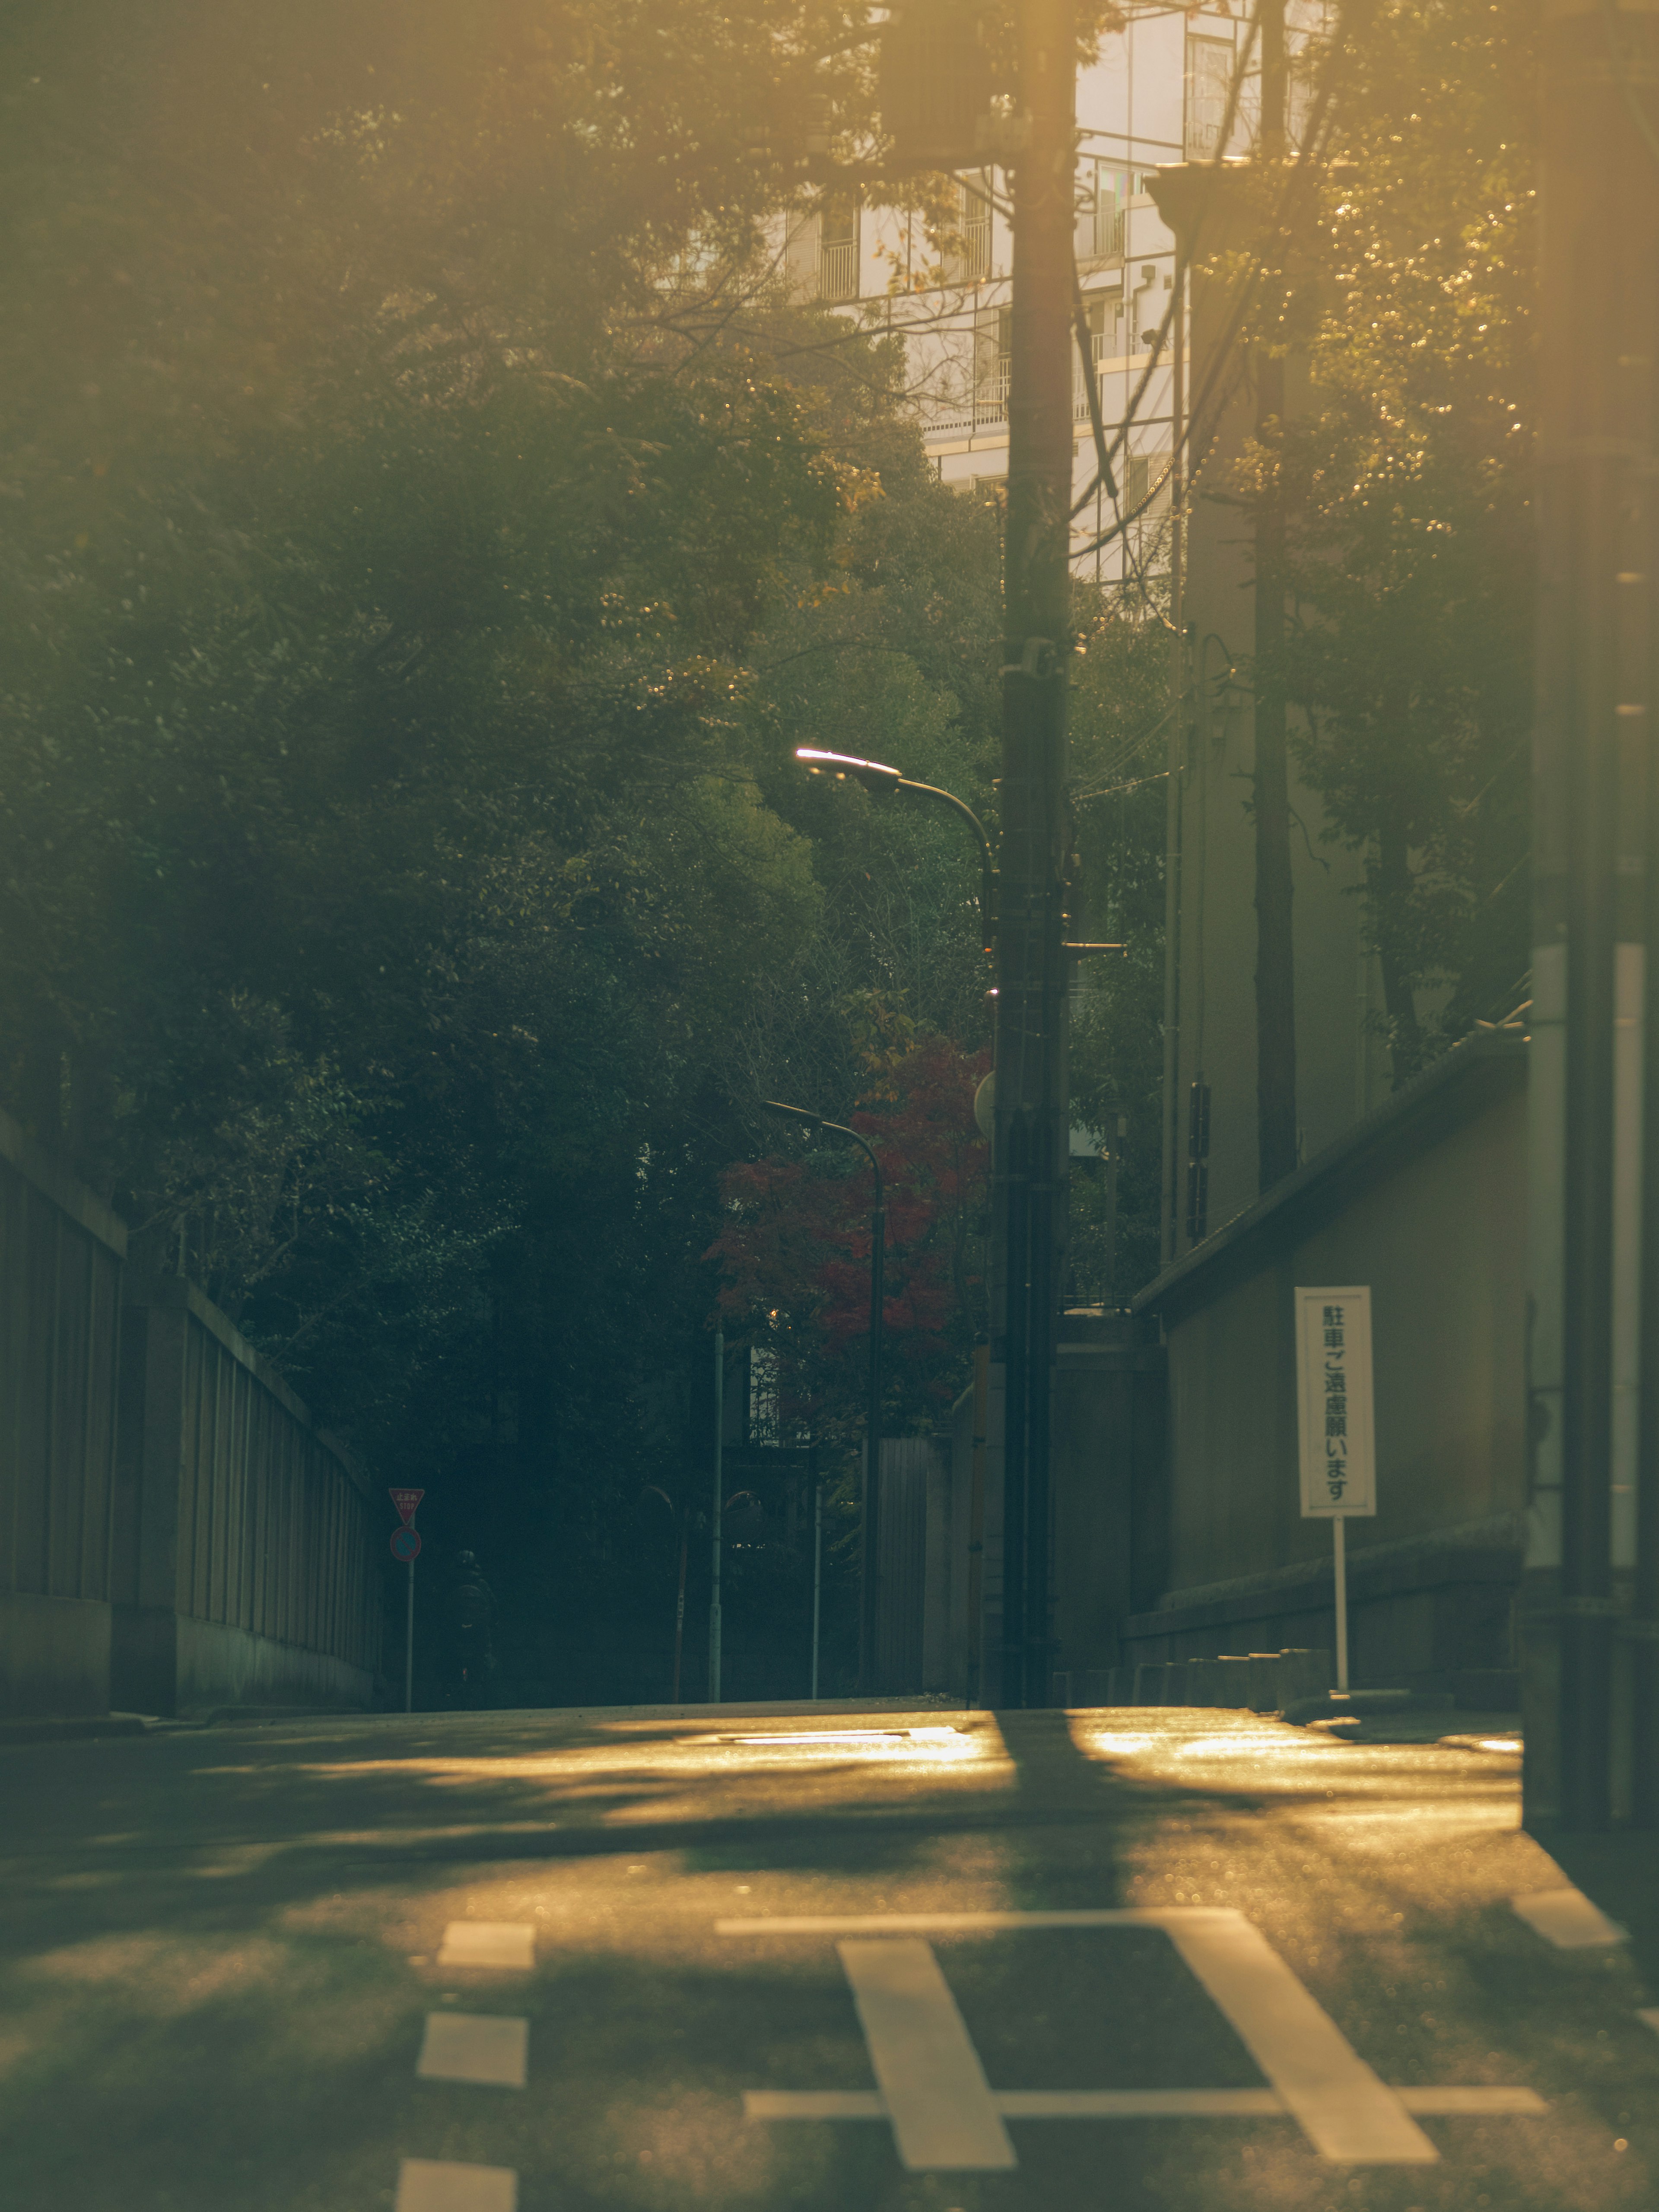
{"type": "Point", "coordinates": [928, 2068]}
{"type": "Point", "coordinates": [947, 1923]}
{"type": "Point", "coordinates": [471, 2046]}
{"type": "Point", "coordinates": [1651, 2014]}
{"type": "Point", "coordinates": [1139, 2105]}
{"type": "Point", "coordinates": [1350, 2115]}
{"type": "Point", "coordinates": [813, 2104]}
{"type": "Point", "coordinates": [429, 2185]}
{"type": "Point", "coordinates": [1476, 2101]}
{"type": "Point", "coordinates": [1566, 1918]}
{"type": "Point", "coordinates": [508, 1943]}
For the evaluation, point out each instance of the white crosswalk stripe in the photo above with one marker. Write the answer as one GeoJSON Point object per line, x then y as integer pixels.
{"type": "Point", "coordinates": [428, 2185]}
{"type": "Point", "coordinates": [471, 2046]}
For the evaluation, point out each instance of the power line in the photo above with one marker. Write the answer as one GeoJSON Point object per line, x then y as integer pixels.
{"type": "Point", "coordinates": [1309, 155]}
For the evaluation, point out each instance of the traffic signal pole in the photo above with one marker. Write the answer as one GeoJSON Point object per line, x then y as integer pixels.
{"type": "Point", "coordinates": [1030, 1147]}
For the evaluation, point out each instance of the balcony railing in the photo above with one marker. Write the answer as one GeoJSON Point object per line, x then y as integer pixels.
{"type": "Point", "coordinates": [838, 270]}
{"type": "Point", "coordinates": [987, 408]}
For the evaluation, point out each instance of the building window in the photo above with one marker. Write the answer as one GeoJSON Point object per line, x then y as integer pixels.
{"type": "Point", "coordinates": [1209, 75]}
{"type": "Point", "coordinates": [1104, 313]}
{"type": "Point", "coordinates": [1101, 215]}
{"type": "Point", "coordinates": [974, 218]}
{"type": "Point", "coordinates": [968, 261]}
{"type": "Point", "coordinates": [990, 491]}
{"type": "Point", "coordinates": [838, 250]}
{"type": "Point", "coordinates": [993, 348]}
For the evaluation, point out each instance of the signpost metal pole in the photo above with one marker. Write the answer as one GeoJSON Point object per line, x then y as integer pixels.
{"type": "Point", "coordinates": [1336, 1425]}
{"type": "Point", "coordinates": [1340, 1562]}
{"type": "Point", "coordinates": [714, 1551]}
{"type": "Point", "coordinates": [408, 1647]}
{"type": "Point", "coordinates": [817, 1575]}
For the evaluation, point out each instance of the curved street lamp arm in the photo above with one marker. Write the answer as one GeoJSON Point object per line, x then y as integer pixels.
{"type": "Point", "coordinates": [950, 798]}
{"type": "Point", "coordinates": [884, 781]}
{"type": "Point", "coordinates": [988, 874]}
{"type": "Point", "coordinates": [836, 1128]}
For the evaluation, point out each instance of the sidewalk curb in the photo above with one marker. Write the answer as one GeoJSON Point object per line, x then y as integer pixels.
{"type": "Point", "coordinates": [68, 1728]}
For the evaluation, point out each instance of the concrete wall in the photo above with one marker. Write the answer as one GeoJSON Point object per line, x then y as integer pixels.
{"type": "Point", "coordinates": [1426, 1204]}
{"type": "Point", "coordinates": [1106, 1471]}
{"type": "Point", "coordinates": [1341, 1068]}
{"type": "Point", "coordinates": [61, 1256]}
{"type": "Point", "coordinates": [246, 1558]}
{"type": "Point", "coordinates": [921, 1641]}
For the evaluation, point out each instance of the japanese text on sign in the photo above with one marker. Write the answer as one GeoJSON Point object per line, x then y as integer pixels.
{"type": "Point", "coordinates": [1334, 1377]}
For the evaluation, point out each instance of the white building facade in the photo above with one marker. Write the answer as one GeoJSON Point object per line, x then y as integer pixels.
{"type": "Point", "coordinates": [1156, 93]}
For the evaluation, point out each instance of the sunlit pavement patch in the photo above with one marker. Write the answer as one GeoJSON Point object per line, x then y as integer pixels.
{"type": "Point", "coordinates": [796, 1747]}
{"type": "Point", "coordinates": [1567, 1918]}
{"type": "Point", "coordinates": [509, 1945]}
{"type": "Point", "coordinates": [1651, 2014]}
{"type": "Point", "coordinates": [945, 2117]}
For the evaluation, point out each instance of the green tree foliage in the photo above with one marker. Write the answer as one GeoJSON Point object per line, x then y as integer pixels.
{"type": "Point", "coordinates": [1407, 476]}
{"type": "Point", "coordinates": [413, 582]}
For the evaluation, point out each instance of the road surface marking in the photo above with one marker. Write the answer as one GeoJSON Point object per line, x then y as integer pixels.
{"type": "Point", "coordinates": [1347, 2112]}
{"type": "Point", "coordinates": [1566, 1918]}
{"type": "Point", "coordinates": [429, 2185]}
{"type": "Point", "coordinates": [932, 2082]}
{"type": "Point", "coordinates": [471, 2046]}
{"type": "Point", "coordinates": [508, 1943]}
{"type": "Point", "coordinates": [1651, 2014]}
{"type": "Point", "coordinates": [947, 1924]}
{"type": "Point", "coordinates": [1475, 2102]}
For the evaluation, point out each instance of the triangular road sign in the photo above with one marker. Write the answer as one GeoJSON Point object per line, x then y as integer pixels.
{"type": "Point", "coordinates": [406, 1501]}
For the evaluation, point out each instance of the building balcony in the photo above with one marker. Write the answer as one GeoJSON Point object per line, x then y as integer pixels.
{"type": "Point", "coordinates": [838, 270]}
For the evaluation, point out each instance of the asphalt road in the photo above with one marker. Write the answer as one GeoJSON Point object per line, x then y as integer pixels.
{"type": "Point", "coordinates": [1139, 1960]}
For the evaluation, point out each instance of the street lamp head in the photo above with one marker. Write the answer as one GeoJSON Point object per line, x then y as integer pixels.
{"type": "Point", "coordinates": [871, 774]}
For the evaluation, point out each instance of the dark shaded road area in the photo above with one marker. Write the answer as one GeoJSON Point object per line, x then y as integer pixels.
{"type": "Point", "coordinates": [1153, 1961]}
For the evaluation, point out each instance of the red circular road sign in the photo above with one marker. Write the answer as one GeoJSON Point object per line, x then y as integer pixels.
{"type": "Point", "coordinates": [406, 1544]}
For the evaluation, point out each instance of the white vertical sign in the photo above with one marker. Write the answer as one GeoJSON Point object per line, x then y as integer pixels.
{"type": "Point", "coordinates": [1334, 1403]}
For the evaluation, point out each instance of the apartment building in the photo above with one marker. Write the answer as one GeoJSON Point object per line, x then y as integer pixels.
{"type": "Point", "coordinates": [1155, 98]}
{"type": "Point", "coordinates": [1156, 93]}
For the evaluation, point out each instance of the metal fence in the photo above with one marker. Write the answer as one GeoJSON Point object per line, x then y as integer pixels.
{"type": "Point", "coordinates": [175, 1530]}
{"type": "Point", "coordinates": [246, 1566]}
{"type": "Point", "coordinates": [61, 1256]}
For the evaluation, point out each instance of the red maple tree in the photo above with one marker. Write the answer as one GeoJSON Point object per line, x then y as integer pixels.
{"type": "Point", "coordinates": [795, 1253]}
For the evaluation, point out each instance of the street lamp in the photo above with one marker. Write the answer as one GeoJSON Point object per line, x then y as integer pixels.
{"type": "Point", "coordinates": [885, 782]}
{"type": "Point", "coordinates": [871, 1518]}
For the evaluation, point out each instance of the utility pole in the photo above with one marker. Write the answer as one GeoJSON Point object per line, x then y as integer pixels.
{"type": "Point", "coordinates": [1174, 768]}
{"type": "Point", "coordinates": [1030, 1148]}
{"type": "Point", "coordinates": [1275, 962]}
{"type": "Point", "coordinates": [1590, 1592]}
